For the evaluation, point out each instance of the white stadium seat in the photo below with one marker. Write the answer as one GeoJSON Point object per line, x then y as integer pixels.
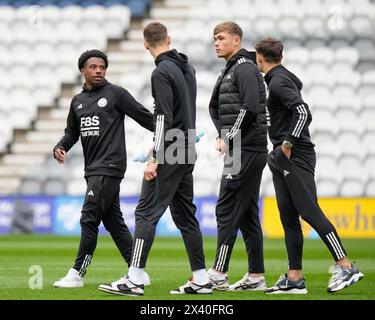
{"type": "Point", "coordinates": [352, 188]}
{"type": "Point", "coordinates": [323, 55]}
{"type": "Point", "coordinates": [362, 26]}
{"type": "Point", "coordinates": [72, 13]}
{"type": "Point", "coordinates": [76, 187]}
{"type": "Point", "coordinates": [298, 54]}
{"type": "Point", "coordinates": [7, 14]}
{"type": "Point", "coordinates": [95, 13]}
{"type": "Point", "coordinates": [349, 55]}
{"type": "Point", "coordinates": [51, 15]}
{"type": "Point", "coordinates": [370, 189]}
{"type": "Point", "coordinates": [130, 187]}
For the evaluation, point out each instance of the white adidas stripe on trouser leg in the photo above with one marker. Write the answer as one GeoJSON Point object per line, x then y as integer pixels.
{"type": "Point", "coordinates": [85, 264]}
{"type": "Point", "coordinates": [222, 258]}
{"type": "Point", "coordinates": [339, 252]}
{"type": "Point", "coordinates": [138, 248]}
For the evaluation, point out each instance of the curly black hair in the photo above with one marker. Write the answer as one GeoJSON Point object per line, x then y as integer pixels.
{"type": "Point", "coordinates": [91, 54]}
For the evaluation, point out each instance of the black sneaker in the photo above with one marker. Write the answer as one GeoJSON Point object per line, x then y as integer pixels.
{"type": "Point", "coordinates": [286, 286]}
{"type": "Point", "coordinates": [123, 287]}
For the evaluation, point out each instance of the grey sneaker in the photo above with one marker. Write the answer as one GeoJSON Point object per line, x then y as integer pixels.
{"type": "Point", "coordinates": [249, 283]}
{"type": "Point", "coordinates": [342, 278]}
{"type": "Point", "coordinates": [286, 286]}
{"type": "Point", "coordinates": [218, 283]}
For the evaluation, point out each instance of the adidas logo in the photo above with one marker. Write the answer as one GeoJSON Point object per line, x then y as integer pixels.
{"type": "Point", "coordinates": [90, 193]}
{"type": "Point", "coordinates": [229, 176]}
{"type": "Point", "coordinates": [286, 173]}
{"type": "Point", "coordinates": [80, 106]}
{"type": "Point", "coordinates": [228, 77]}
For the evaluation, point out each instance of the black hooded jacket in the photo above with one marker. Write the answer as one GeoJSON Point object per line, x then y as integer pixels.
{"type": "Point", "coordinates": [97, 116]}
{"type": "Point", "coordinates": [174, 90]}
{"type": "Point", "coordinates": [238, 103]}
{"type": "Point", "coordinates": [289, 116]}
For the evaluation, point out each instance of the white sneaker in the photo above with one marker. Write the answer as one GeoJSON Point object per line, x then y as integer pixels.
{"type": "Point", "coordinates": [249, 283]}
{"type": "Point", "coordinates": [124, 287]}
{"type": "Point", "coordinates": [114, 286]}
{"type": "Point", "coordinates": [71, 280]}
{"type": "Point", "coordinates": [146, 279]}
{"type": "Point", "coordinates": [343, 278]}
{"type": "Point", "coordinates": [193, 288]}
{"type": "Point", "coordinates": [217, 281]}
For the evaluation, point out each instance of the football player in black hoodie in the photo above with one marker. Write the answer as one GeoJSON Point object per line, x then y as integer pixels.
{"type": "Point", "coordinates": [96, 115]}
{"type": "Point", "coordinates": [292, 163]}
{"type": "Point", "coordinates": [167, 182]}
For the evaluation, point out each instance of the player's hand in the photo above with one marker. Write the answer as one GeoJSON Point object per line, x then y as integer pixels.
{"type": "Point", "coordinates": [149, 152]}
{"type": "Point", "coordinates": [150, 171]}
{"type": "Point", "coordinates": [60, 155]}
{"type": "Point", "coordinates": [221, 146]}
{"type": "Point", "coordinates": [286, 151]}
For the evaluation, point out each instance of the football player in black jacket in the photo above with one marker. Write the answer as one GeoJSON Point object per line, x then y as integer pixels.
{"type": "Point", "coordinates": [238, 110]}
{"type": "Point", "coordinates": [168, 178]}
{"type": "Point", "coordinates": [96, 115]}
{"type": "Point", "coordinates": [292, 163]}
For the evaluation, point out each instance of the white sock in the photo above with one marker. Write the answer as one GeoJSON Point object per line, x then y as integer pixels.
{"type": "Point", "coordinates": [200, 276]}
{"type": "Point", "coordinates": [220, 275]}
{"type": "Point", "coordinates": [135, 275]}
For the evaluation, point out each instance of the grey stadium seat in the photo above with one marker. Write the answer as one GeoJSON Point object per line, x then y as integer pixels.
{"type": "Point", "coordinates": [31, 186]}
{"type": "Point", "coordinates": [54, 187]}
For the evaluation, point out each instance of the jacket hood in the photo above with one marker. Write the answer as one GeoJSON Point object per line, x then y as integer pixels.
{"type": "Point", "coordinates": [281, 69]}
{"type": "Point", "coordinates": [178, 58]}
{"type": "Point", "coordinates": [242, 53]}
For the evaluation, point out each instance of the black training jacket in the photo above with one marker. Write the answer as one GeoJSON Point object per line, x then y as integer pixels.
{"type": "Point", "coordinates": [238, 103]}
{"type": "Point", "coordinates": [97, 116]}
{"type": "Point", "coordinates": [174, 90]}
{"type": "Point", "coordinates": [289, 115]}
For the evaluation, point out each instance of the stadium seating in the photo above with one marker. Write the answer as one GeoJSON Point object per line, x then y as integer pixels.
{"type": "Point", "coordinates": [329, 45]}
{"type": "Point", "coordinates": [40, 46]}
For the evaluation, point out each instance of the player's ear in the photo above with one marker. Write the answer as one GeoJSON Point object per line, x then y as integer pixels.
{"type": "Point", "coordinates": [237, 40]}
{"type": "Point", "coordinates": [168, 40]}
{"type": "Point", "coordinates": [147, 46]}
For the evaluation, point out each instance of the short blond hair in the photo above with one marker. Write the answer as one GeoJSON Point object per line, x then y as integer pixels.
{"type": "Point", "coordinates": [230, 27]}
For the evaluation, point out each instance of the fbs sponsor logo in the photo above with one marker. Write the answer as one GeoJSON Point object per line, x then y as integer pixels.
{"type": "Point", "coordinates": [90, 122]}
{"type": "Point", "coordinates": [90, 126]}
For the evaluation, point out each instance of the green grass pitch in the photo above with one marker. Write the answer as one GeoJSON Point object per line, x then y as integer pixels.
{"type": "Point", "coordinates": [168, 268]}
